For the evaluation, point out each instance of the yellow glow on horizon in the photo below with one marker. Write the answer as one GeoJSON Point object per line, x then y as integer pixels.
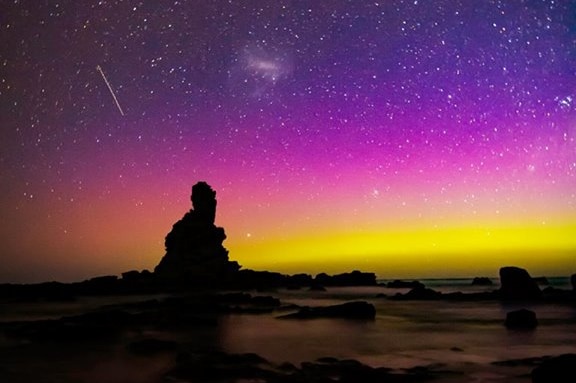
{"type": "Point", "coordinates": [427, 251]}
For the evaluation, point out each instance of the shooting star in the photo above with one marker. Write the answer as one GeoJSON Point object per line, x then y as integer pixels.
{"type": "Point", "coordinates": [99, 69]}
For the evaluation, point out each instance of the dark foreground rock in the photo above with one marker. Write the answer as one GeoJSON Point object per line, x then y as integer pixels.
{"type": "Point", "coordinates": [223, 367]}
{"type": "Point", "coordinates": [350, 310]}
{"type": "Point", "coordinates": [516, 284]}
{"type": "Point", "coordinates": [573, 281]}
{"type": "Point", "coordinates": [521, 320]}
{"type": "Point", "coordinates": [560, 369]}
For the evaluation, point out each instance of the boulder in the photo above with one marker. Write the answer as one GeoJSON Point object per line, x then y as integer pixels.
{"type": "Point", "coordinates": [350, 310]}
{"type": "Point", "coordinates": [559, 369]}
{"type": "Point", "coordinates": [522, 319]}
{"type": "Point", "coordinates": [516, 284]}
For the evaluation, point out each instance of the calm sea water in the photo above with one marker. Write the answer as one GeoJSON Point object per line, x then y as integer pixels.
{"type": "Point", "coordinates": [461, 336]}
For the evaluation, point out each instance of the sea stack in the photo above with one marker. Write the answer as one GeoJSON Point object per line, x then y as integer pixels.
{"type": "Point", "coordinates": [194, 251]}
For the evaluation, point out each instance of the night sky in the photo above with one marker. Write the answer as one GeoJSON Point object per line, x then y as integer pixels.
{"type": "Point", "coordinates": [410, 138]}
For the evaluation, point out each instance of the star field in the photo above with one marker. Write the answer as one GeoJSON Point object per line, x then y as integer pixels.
{"type": "Point", "coordinates": [395, 136]}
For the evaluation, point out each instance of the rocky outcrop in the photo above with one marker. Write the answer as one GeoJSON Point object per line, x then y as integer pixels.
{"type": "Point", "coordinates": [573, 281]}
{"type": "Point", "coordinates": [516, 284]}
{"type": "Point", "coordinates": [522, 319]}
{"type": "Point", "coordinates": [194, 251]}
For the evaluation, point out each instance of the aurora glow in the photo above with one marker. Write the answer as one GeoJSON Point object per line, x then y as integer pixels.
{"type": "Point", "coordinates": [409, 138]}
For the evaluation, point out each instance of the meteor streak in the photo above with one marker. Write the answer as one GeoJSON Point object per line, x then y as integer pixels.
{"type": "Point", "coordinates": [99, 69]}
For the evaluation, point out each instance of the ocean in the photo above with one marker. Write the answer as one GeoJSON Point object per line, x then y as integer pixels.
{"type": "Point", "coordinates": [459, 336]}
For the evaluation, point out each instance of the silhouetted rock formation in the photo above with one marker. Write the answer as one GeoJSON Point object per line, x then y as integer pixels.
{"type": "Point", "coordinates": [573, 281]}
{"type": "Point", "coordinates": [482, 281]}
{"type": "Point", "coordinates": [522, 319]}
{"type": "Point", "coordinates": [560, 369]}
{"type": "Point", "coordinates": [194, 251]}
{"type": "Point", "coordinates": [516, 284]}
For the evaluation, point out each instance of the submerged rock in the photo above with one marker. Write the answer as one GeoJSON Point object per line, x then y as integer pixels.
{"type": "Point", "coordinates": [516, 284]}
{"type": "Point", "coordinates": [522, 319]}
{"type": "Point", "coordinates": [350, 310]}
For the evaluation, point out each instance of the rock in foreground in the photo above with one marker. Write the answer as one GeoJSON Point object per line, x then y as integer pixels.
{"type": "Point", "coordinates": [223, 367]}
{"type": "Point", "coordinates": [560, 369]}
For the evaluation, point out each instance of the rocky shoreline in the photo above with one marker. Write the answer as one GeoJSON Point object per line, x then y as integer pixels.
{"type": "Point", "coordinates": [195, 287]}
{"type": "Point", "coordinates": [201, 310]}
